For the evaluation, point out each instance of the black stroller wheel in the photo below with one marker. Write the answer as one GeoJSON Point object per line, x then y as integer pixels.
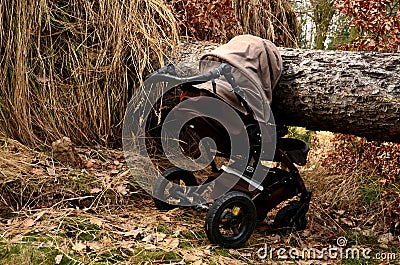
{"type": "Point", "coordinates": [292, 217]}
{"type": "Point", "coordinates": [165, 194]}
{"type": "Point", "coordinates": [231, 220]}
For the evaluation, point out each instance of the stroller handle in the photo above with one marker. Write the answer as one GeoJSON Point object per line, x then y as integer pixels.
{"type": "Point", "coordinates": [168, 74]}
{"type": "Point", "coordinates": [224, 69]}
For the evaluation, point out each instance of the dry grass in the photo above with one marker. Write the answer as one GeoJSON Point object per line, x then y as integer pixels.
{"type": "Point", "coordinates": [69, 65]}
{"type": "Point", "coordinates": [272, 20]}
{"type": "Point", "coordinates": [31, 180]}
{"type": "Point", "coordinates": [346, 202]}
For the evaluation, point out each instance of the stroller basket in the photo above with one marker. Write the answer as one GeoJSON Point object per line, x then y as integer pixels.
{"type": "Point", "coordinates": [296, 150]}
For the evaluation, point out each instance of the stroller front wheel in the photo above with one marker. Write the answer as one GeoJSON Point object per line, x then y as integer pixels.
{"type": "Point", "coordinates": [166, 196]}
{"type": "Point", "coordinates": [231, 220]}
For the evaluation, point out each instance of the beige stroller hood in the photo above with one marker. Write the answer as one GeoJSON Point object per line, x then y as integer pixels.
{"type": "Point", "coordinates": [257, 66]}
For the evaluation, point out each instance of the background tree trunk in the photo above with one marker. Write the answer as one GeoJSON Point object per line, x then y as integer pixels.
{"type": "Point", "coordinates": [348, 92]}
{"type": "Point", "coordinates": [323, 11]}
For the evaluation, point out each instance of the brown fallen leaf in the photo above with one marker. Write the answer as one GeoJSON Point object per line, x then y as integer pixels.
{"type": "Point", "coordinates": [39, 215]}
{"type": "Point", "coordinates": [89, 163]}
{"type": "Point", "coordinates": [29, 223]}
{"type": "Point", "coordinates": [95, 190]}
{"type": "Point", "coordinates": [106, 240]}
{"type": "Point", "coordinates": [47, 244]}
{"type": "Point", "coordinates": [107, 180]}
{"type": "Point", "coordinates": [386, 238]}
{"type": "Point", "coordinates": [79, 247]}
{"type": "Point", "coordinates": [340, 212]}
{"type": "Point", "coordinates": [65, 152]}
{"type": "Point", "coordinates": [51, 171]}
{"type": "Point", "coordinates": [150, 247]}
{"type": "Point", "coordinates": [158, 237]}
{"type": "Point", "coordinates": [114, 172]}
{"type": "Point", "coordinates": [165, 218]}
{"type": "Point", "coordinates": [228, 261]}
{"type": "Point", "coordinates": [148, 238]}
{"type": "Point", "coordinates": [96, 221]}
{"type": "Point", "coordinates": [169, 244]}
{"type": "Point", "coordinates": [122, 189]}
{"type": "Point", "coordinates": [235, 252]}
{"type": "Point", "coordinates": [16, 239]}
{"type": "Point", "coordinates": [347, 222]}
{"type": "Point", "coordinates": [58, 259]}
{"type": "Point", "coordinates": [95, 245]}
{"type": "Point", "coordinates": [198, 262]}
{"type": "Point", "coordinates": [134, 233]}
{"type": "Point", "coordinates": [246, 255]}
{"type": "Point", "coordinates": [37, 171]}
{"type": "Point", "coordinates": [154, 238]}
{"type": "Point", "coordinates": [192, 255]}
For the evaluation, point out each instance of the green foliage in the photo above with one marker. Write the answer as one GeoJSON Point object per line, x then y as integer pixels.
{"type": "Point", "coordinates": [80, 229]}
{"type": "Point", "coordinates": [26, 253]}
{"type": "Point", "coordinates": [164, 229]}
{"type": "Point", "coordinates": [323, 11]}
{"type": "Point", "coordinates": [154, 256]}
{"type": "Point", "coordinates": [341, 33]}
{"type": "Point", "coordinates": [370, 189]}
{"type": "Point", "coordinates": [316, 19]}
{"type": "Point", "coordinates": [302, 134]}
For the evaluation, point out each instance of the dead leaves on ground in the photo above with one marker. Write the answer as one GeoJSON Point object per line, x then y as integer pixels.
{"type": "Point", "coordinates": [33, 180]}
{"type": "Point", "coordinates": [132, 233]}
{"type": "Point", "coordinates": [114, 220]}
{"type": "Point", "coordinates": [137, 232]}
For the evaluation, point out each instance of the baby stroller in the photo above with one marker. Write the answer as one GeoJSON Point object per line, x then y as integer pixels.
{"type": "Point", "coordinates": [245, 189]}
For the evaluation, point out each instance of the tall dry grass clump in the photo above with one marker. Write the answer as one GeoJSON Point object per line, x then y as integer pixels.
{"type": "Point", "coordinates": [272, 20]}
{"type": "Point", "coordinates": [68, 65]}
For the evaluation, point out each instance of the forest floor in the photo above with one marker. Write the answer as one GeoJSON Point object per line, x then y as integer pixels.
{"type": "Point", "coordinates": [97, 214]}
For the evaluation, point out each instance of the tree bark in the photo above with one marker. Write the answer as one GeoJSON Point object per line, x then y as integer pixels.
{"type": "Point", "coordinates": [348, 92]}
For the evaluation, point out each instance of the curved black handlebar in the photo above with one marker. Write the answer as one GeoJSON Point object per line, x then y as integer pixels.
{"type": "Point", "coordinates": [222, 70]}
{"type": "Point", "coordinates": [168, 74]}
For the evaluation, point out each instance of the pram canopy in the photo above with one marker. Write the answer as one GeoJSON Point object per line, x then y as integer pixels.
{"type": "Point", "coordinates": [257, 66]}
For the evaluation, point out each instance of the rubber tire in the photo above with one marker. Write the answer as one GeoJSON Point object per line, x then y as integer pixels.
{"type": "Point", "coordinates": [171, 174]}
{"type": "Point", "coordinates": [284, 219]}
{"type": "Point", "coordinates": [214, 214]}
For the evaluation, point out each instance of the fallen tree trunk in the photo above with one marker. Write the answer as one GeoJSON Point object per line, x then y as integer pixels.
{"type": "Point", "coordinates": [348, 92]}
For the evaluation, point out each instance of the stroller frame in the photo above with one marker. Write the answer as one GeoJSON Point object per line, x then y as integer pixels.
{"type": "Point", "coordinates": [238, 209]}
